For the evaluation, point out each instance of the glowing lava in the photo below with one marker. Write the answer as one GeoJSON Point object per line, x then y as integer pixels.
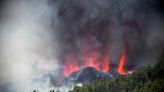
{"type": "Point", "coordinates": [105, 67]}
{"type": "Point", "coordinates": [121, 64]}
{"type": "Point", "coordinates": [71, 65]}
{"type": "Point", "coordinates": [92, 60]}
{"type": "Point", "coordinates": [70, 69]}
{"type": "Point", "coordinates": [91, 55]}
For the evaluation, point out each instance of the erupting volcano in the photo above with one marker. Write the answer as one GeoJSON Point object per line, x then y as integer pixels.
{"type": "Point", "coordinates": [91, 57]}
{"type": "Point", "coordinates": [90, 62]}
{"type": "Point", "coordinates": [91, 54]}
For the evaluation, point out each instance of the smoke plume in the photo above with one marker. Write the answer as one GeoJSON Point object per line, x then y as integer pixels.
{"type": "Point", "coordinates": [44, 40]}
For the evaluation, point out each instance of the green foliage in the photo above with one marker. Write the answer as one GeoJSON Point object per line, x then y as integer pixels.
{"type": "Point", "coordinates": [144, 79]}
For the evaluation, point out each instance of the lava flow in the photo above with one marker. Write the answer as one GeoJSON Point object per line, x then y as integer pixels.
{"type": "Point", "coordinates": [121, 64]}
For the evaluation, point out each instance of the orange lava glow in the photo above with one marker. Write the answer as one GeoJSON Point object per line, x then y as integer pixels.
{"type": "Point", "coordinates": [71, 65]}
{"type": "Point", "coordinates": [121, 64]}
{"type": "Point", "coordinates": [92, 60]}
{"type": "Point", "coordinates": [91, 56]}
{"type": "Point", "coordinates": [105, 67]}
{"type": "Point", "coordinates": [70, 69]}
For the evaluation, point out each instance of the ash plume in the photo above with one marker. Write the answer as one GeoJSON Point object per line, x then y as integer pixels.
{"type": "Point", "coordinates": [136, 25]}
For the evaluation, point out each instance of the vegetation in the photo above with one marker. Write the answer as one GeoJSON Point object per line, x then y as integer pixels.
{"type": "Point", "coordinates": [144, 79]}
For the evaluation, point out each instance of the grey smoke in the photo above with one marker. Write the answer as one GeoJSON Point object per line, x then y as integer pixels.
{"type": "Point", "coordinates": [136, 25]}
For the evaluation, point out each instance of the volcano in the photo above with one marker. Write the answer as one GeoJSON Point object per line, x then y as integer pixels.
{"type": "Point", "coordinates": [87, 75]}
{"type": "Point", "coordinates": [92, 61]}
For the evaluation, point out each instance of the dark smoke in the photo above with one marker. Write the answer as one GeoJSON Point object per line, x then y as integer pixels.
{"type": "Point", "coordinates": [114, 24]}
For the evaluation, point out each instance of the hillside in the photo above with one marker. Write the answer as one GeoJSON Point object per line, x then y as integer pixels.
{"type": "Point", "coordinates": [144, 79]}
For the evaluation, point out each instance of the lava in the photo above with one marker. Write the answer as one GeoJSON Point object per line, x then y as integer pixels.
{"type": "Point", "coordinates": [90, 53]}
{"type": "Point", "coordinates": [71, 65]}
{"type": "Point", "coordinates": [92, 56]}
{"type": "Point", "coordinates": [105, 67]}
{"type": "Point", "coordinates": [121, 64]}
{"type": "Point", "coordinates": [70, 68]}
{"type": "Point", "coordinates": [92, 60]}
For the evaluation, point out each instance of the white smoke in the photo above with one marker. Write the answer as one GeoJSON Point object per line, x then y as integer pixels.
{"type": "Point", "coordinates": [28, 46]}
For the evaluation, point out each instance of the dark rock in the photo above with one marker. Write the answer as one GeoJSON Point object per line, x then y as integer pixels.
{"type": "Point", "coordinates": [87, 75]}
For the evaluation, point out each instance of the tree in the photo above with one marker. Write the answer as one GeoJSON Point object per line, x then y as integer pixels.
{"type": "Point", "coordinates": [144, 79]}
